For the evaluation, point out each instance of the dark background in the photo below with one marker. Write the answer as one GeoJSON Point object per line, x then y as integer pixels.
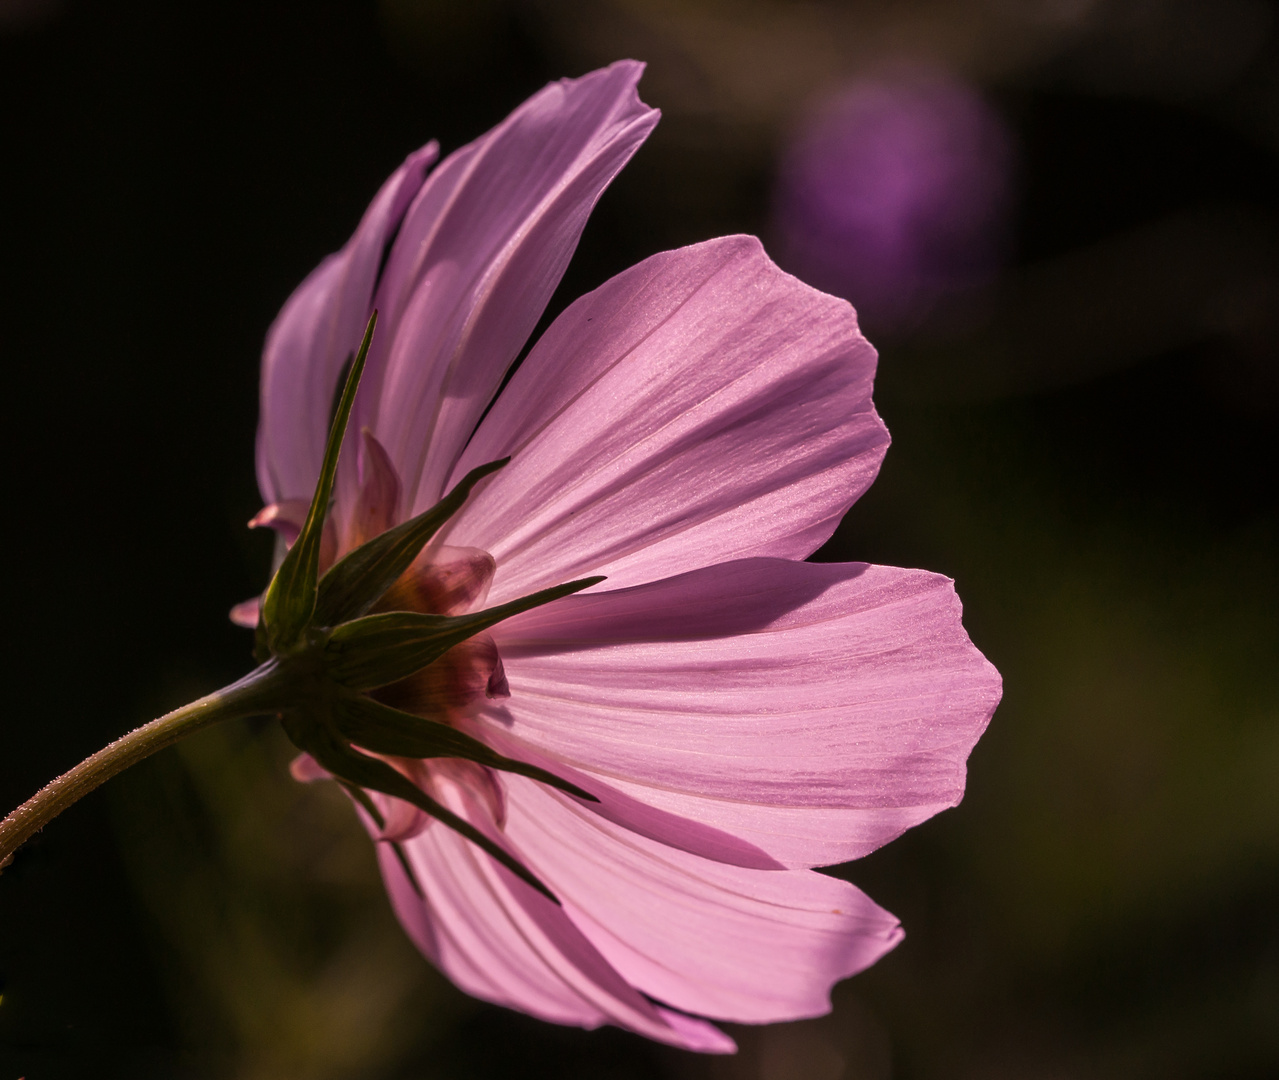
{"type": "Point", "coordinates": [1090, 454]}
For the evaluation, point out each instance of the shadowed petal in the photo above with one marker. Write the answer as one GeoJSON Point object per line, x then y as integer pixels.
{"type": "Point", "coordinates": [286, 517]}
{"type": "Point", "coordinates": [700, 407]}
{"type": "Point", "coordinates": [482, 249]}
{"type": "Point", "coordinates": [306, 770]}
{"type": "Point", "coordinates": [444, 581]}
{"type": "Point", "coordinates": [377, 504]}
{"type": "Point", "coordinates": [500, 940]}
{"type": "Point", "coordinates": [814, 711]}
{"type": "Point", "coordinates": [314, 335]}
{"type": "Point", "coordinates": [754, 946]}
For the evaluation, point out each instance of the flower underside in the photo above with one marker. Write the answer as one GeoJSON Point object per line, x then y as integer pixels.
{"type": "Point", "coordinates": [377, 639]}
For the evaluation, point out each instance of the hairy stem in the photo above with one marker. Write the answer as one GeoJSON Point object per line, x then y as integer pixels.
{"type": "Point", "coordinates": [255, 693]}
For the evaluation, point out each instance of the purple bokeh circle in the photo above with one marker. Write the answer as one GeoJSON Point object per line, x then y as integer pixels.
{"type": "Point", "coordinates": [894, 192]}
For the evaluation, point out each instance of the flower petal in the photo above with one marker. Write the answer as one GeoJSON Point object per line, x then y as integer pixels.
{"type": "Point", "coordinates": [481, 250]}
{"type": "Point", "coordinates": [753, 946]}
{"type": "Point", "coordinates": [814, 711]}
{"type": "Point", "coordinates": [306, 770]}
{"type": "Point", "coordinates": [377, 505]}
{"type": "Point", "coordinates": [314, 335]}
{"type": "Point", "coordinates": [286, 517]}
{"type": "Point", "coordinates": [247, 612]}
{"type": "Point", "coordinates": [700, 407]}
{"type": "Point", "coordinates": [500, 940]}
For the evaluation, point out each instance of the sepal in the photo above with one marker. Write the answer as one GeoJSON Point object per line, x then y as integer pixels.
{"type": "Point", "coordinates": [358, 580]}
{"type": "Point", "coordinates": [379, 649]}
{"type": "Point", "coordinates": [290, 599]}
{"type": "Point", "coordinates": [384, 730]}
{"type": "Point", "coordinates": [336, 754]}
{"type": "Point", "coordinates": [261, 646]}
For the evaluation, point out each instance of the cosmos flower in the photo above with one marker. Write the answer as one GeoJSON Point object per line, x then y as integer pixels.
{"type": "Point", "coordinates": [691, 430]}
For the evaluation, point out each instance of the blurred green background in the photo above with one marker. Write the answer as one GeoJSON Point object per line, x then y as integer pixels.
{"type": "Point", "coordinates": [1085, 442]}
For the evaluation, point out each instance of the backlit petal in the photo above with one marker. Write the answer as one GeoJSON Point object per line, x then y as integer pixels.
{"type": "Point", "coordinates": [482, 249]}
{"type": "Point", "coordinates": [378, 501]}
{"type": "Point", "coordinates": [315, 333]}
{"type": "Point", "coordinates": [813, 711]}
{"type": "Point", "coordinates": [700, 407]}
{"type": "Point", "coordinates": [754, 946]}
{"type": "Point", "coordinates": [502, 941]}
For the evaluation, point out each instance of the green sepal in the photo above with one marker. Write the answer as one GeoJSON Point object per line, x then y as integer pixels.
{"type": "Point", "coordinates": [290, 598]}
{"type": "Point", "coordinates": [339, 757]}
{"type": "Point", "coordinates": [384, 730]}
{"type": "Point", "coordinates": [261, 646]}
{"type": "Point", "coordinates": [379, 649]}
{"type": "Point", "coordinates": [357, 581]}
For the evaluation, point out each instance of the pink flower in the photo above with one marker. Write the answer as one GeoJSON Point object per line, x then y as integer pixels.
{"type": "Point", "coordinates": [691, 429]}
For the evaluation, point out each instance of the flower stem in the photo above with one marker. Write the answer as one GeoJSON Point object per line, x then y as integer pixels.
{"type": "Point", "coordinates": [257, 692]}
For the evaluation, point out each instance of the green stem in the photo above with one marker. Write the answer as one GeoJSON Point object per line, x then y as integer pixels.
{"type": "Point", "coordinates": [258, 692]}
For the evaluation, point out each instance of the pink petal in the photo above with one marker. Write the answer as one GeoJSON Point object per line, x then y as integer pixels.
{"type": "Point", "coordinates": [306, 770]}
{"type": "Point", "coordinates": [753, 946]}
{"type": "Point", "coordinates": [481, 250]}
{"type": "Point", "coordinates": [286, 517]}
{"type": "Point", "coordinates": [643, 818]}
{"type": "Point", "coordinates": [700, 407]}
{"type": "Point", "coordinates": [813, 711]}
{"type": "Point", "coordinates": [400, 820]}
{"type": "Point", "coordinates": [246, 613]}
{"type": "Point", "coordinates": [318, 329]}
{"type": "Point", "coordinates": [499, 940]}
{"type": "Point", "coordinates": [377, 504]}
